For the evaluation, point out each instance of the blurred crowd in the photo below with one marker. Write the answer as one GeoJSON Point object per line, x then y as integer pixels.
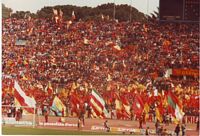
{"type": "Point", "coordinates": [123, 57]}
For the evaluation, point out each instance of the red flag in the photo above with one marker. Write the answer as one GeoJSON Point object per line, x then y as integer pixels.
{"type": "Point", "coordinates": [49, 89]}
{"type": "Point", "coordinates": [138, 105]}
{"type": "Point", "coordinates": [120, 110]}
{"type": "Point", "coordinates": [124, 100]}
{"type": "Point", "coordinates": [122, 107]}
{"type": "Point", "coordinates": [126, 106]}
{"type": "Point", "coordinates": [21, 99]}
{"type": "Point", "coordinates": [75, 101]}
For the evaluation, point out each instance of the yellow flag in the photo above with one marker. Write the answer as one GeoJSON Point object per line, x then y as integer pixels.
{"type": "Point", "coordinates": [118, 104]}
{"type": "Point", "coordinates": [158, 116]}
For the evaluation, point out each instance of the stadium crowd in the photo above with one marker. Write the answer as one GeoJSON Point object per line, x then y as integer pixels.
{"type": "Point", "coordinates": [123, 58]}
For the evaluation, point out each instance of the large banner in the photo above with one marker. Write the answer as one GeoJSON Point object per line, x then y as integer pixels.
{"type": "Point", "coordinates": [185, 72]}
{"type": "Point", "coordinates": [12, 121]}
{"type": "Point", "coordinates": [134, 131]}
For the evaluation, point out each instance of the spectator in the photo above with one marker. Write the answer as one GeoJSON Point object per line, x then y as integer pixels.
{"type": "Point", "coordinates": [18, 114]}
{"type": "Point", "coordinates": [140, 122]}
{"type": "Point", "coordinates": [183, 129]}
{"type": "Point", "coordinates": [147, 131]}
{"type": "Point", "coordinates": [79, 122]}
{"type": "Point", "coordinates": [107, 56]}
{"type": "Point", "coordinates": [46, 115]}
{"type": "Point", "coordinates": [21, 112]}
{"type": "Point", "coordinates": [177, 130]}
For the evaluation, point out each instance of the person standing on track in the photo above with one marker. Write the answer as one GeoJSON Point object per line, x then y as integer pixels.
{"type": "Point", "coordinates": [183, 129]}
{"type": "Point", "coordinates": [106, 126]}
{"type": "Point", "coordinates": [147, 131]}
{"type": "Point", "coordinates": [157, 126]}
{"type": "Point", "coordinates": [79, 122]}
{"type": "Point", "coordinates": [17, 115]}
{"type": "Point", "coordinates": [46, 115]}
{"type": "Point", "coordinates": [140, 122]}
{"type": "Point", "coordinates": [177, 130]}
{"type": "Point", "coordinates": [197, 125]}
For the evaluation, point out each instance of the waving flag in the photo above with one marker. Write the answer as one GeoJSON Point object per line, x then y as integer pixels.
{"type": "Point", "coordinates": [55, 12]}
{"type": "Point", "coordinates": [75, 103]}
{"type": "Point", "coordinates": [56, 19]}
{"type": "Point", "coordinates": [58, 106]}
{"type": "Point", "coordinates": [122, 111]}
{"type": "Point", "coordinates": [117, 47]}
{"type": "Point", "coordinates": [158, 115]}
{"type": "Point", "coordinates": [118, 107]}
{"type": "Point", "coordinates": [146, 110]}
{"type": "Point", "coordinates": [21, 99]}
{"type": "Point", "coordinates": [97, 104]}
{"type": "Point", "coordinates": [126, 106]}
{"type": "Point", "coordinates": [49, 89]}
{"type": "Point", "coordinates": [29, 18]}
{"type": "Point", "coordinates": [175, 106]}
{"type": "Point", "coordinates": [73, 15]}
{"type": "Point", "coordinates": [138, 105]}
{"type": "Point", "coordinates": [61, 13]}
{"type": "Point", "coordinates": [102, 17]}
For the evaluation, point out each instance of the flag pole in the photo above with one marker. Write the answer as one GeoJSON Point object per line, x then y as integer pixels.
{"type": "Point", "coordinates": [131, 11]}
{"type": "Point", "coordinates": [147, 7]}
{"type": "Point", "coordinates": [114, 11]}
{"type": "Point", "coordinates": [34, 122]}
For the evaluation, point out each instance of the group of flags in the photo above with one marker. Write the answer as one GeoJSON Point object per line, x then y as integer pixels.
{"type": "Point", "coordinates": [98, 105]}
{"type": "Point", "coordinates": [58, 16]}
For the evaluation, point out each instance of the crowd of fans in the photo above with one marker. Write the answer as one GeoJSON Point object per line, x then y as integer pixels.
{"type": "Point", "coordinates": [125, 57]}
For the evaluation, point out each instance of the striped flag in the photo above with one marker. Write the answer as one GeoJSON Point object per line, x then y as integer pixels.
{"type": "Point", "coordinates": [97, 104]}
{"type": "Point", "coordinates": [22, 99]}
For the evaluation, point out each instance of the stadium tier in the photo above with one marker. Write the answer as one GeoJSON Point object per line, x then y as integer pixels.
{"type": "Point", "coordinates": [144, 71]}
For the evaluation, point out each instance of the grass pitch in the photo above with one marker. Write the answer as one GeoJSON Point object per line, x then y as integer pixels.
{"type": "Point", "coordinates": [6, 130]}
